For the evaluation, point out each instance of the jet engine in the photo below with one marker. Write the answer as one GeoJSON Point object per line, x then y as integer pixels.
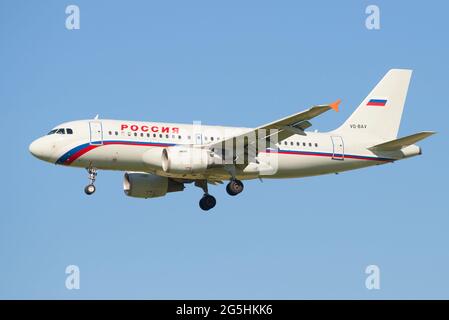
{"type": "Point", "coordinates": [184, 159]}
{"type": "Point", "coordinates": [180, 159]}
{"type": "Point", "coordinates": [146, 185]}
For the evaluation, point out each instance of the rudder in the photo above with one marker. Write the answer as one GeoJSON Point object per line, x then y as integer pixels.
{"type": "Point", "coordinates": [379, 115]}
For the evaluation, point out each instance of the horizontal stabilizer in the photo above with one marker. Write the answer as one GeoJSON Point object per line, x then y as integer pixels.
{"type": "Point", "coordinates": [400, 143]}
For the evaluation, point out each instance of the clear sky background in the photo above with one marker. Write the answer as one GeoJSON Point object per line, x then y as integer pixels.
{"type": "Point", "coordinates": [240, 63]}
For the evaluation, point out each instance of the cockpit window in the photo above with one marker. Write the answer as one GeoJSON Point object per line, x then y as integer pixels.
{"type": "Point", "coordinates": [61, 131]}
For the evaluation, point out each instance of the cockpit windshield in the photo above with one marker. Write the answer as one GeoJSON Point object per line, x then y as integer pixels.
{"type": "Point", "coordinates": [61, 131]}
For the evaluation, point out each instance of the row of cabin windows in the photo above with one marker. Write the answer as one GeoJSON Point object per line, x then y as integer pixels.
{"type": "Point", "coordinates": [298, 144]}
{"type": "Point", "coordinates": [167, 136]}
{"type": "Point", "coordinates": [212, 138]}
{"type": "Point", "coordinates": [61, 131]}
{"type": "Point", "coordinates": [160, 135]}
{"type": "Point", "coordinates": [148, 135]}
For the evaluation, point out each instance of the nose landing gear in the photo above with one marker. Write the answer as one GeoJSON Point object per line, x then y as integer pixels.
{"type": "Point", "coordinates": [90, 188]}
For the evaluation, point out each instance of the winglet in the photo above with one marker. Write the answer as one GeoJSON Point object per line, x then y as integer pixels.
{"type": "Point", "coordinates": [334, 105]}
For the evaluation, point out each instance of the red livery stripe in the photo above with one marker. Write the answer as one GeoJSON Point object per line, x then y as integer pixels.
{"type": "Point", "coordinates": [80, 153]}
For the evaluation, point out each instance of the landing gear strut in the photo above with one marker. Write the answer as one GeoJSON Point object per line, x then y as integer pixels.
{"type": "Point", "coordinates": [234, 187]}
{"type": "Point", "coordinates": [207, 202]}
{"type": "Point", "coordinates": [90, 188]}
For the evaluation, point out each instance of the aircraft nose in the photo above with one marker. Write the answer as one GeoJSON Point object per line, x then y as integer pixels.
{"type": "Point", "coordinates": [39, 149]}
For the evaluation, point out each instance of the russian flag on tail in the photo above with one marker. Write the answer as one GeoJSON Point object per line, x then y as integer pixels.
{"type": "Point", "coordinates": [377, 102]}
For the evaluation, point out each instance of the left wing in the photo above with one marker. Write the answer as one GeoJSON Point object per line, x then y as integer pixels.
{"type": "Point", "coordinates": [284, 128]}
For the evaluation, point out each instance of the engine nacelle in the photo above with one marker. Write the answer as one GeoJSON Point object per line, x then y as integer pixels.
{"type": "Point", "coordinates": [184, 159]}
{"type": "Point", "coordinates": [153, 158]}
{"type": "Point", "coordinates": [146, 185]}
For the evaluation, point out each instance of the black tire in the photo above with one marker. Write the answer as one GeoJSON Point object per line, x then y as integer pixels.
{"type": "Point", "coordinates": [207, 202]}
{"type": "Point", "coordinates": [234, 187]}
{"type": "Point", "coordinates": [89, 189]}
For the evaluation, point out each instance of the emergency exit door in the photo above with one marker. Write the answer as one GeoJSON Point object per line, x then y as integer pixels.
{"type": "Point", "coordinates": [198, 138]}
{"type": "Point", "coordinates": [339, 149]}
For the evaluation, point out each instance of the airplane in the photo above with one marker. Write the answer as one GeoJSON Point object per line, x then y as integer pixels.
{"type": "Point", "coordinates": [160, 158]}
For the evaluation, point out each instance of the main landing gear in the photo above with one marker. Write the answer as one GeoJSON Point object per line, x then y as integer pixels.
{"type": "Point", "coordinates": [234, 187]}
{"type": "Point", "coordinates": [90, 188]}
{"type": "Point", "coordinates": [208, 201]}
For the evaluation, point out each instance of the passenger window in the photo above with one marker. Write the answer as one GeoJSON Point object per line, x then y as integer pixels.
{"type": "Point", "coordinates": [310, 144]}
{"type": "Point", "coordinates": [304, 144]}
{"type": "Point", "coordinates": [129, 134]}
{"type": "Point", "coordinates": [297, 143]}
{"type": "Point", "coordinates": [179, 137]}
{"type": "Point", "coordinates": [160, 136]}
{"type": "Point", "coordinates": [211, 138]}
{"type": "Point", "coordinates": [148, 135]}
{"type": "Point", "coordinates": [285, 142]}
{"type": "Point", "coordinates": [167, 136]}
{"type": "Point", "coordinates": [291, 143]}
{"type": "Point", "coordinates": [69, 131]}
{"type": "Point", "coordinates": [316, 144]}
{"type": "Point", "coordinates": [116, 133]}
{"type": "Point", "coordinates": [141, 134]}
{"type": "Point", "coordinates": [110, 132]}
{"type": "Point", "coordinates": [189, 137]}
{"type": "Point", "coordinates": [154, 135]}
{"type": "Point", "coordinates": [135, 134]}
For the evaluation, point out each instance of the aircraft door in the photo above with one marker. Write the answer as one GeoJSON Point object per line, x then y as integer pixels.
{"type": "Point", "coordinates": [338, 148]}
{"type": "Point", "coordinates": [96, 133]}
{"type": "Point", "coordinates": [198, 138]}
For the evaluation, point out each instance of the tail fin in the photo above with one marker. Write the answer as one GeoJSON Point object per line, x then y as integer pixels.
{"type": "Point", "coordinates": [379, 115]}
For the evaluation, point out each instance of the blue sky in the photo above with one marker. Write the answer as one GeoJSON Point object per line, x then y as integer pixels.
{"type": "Point", "coordinates": [239, 63]}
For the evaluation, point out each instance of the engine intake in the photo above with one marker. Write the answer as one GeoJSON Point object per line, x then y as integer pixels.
{"type": "Point", "coordinates": [146, 185]}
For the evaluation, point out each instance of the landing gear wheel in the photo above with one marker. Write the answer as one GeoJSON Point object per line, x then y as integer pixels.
{"type": "Point", "coordinates": [89, 189]}
{"type": "Point", "coordinates": [207, 202]}
{"type": "Point", "coordinates": [234, 187]}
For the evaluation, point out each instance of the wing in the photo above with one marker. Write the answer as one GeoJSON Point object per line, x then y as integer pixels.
{"type": "Point", "coordinates": [284, 128]}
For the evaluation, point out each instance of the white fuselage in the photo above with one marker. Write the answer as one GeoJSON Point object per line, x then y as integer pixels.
{"type": "Point", "coordinates": [120, 145]}
{"type": "Point", "coordinates": [161, 158]}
